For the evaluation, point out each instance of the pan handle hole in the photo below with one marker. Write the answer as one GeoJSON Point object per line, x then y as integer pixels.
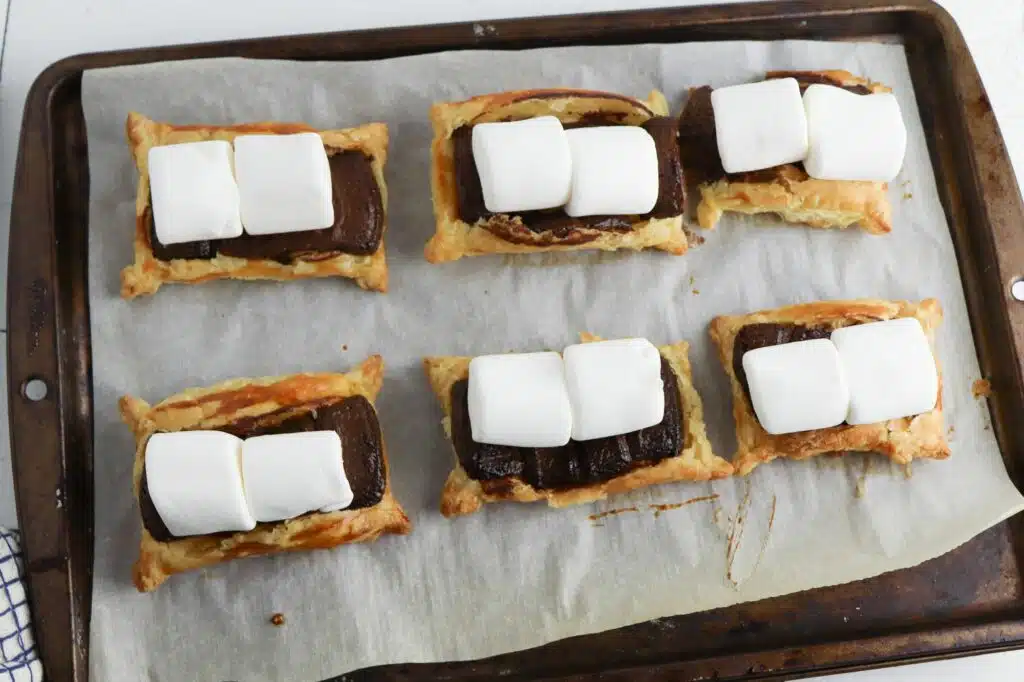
{"type": "Point", "coordinates": [35, 389]}
{"type": "Point", "coordinates": [1017, 289]}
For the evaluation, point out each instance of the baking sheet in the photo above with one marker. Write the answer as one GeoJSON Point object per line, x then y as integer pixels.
{"type": "Point", "coordinates": [512, 576]}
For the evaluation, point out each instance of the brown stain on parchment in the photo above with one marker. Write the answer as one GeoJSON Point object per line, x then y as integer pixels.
{"type": "Point", "coordinates": [611, 512]}
{"type": "Point", "coordinates": [659, 509]}
{"type": "Point", "coordinates": [862, 480]}
{"type": "Point", "coordinates": [736, 536]}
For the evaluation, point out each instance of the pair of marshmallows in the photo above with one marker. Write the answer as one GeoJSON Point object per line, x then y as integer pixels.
{"type": "Point", "coordinates": [266, 184]}
{"type": "Point", "coordinates": [837, 134]}
{"type": "Point", "coordinates": [541, 400]}
{"type": "Point", "coordinates": [536, 164]}
{"type": "Point", "coordinates": [862, 374]}
{"type": "Point", "coordinates": [205, 482]}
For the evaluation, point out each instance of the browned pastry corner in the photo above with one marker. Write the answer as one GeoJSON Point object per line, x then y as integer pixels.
{"type": "Point", "coordinates": [148, 272]}
{"type": "Point", "coordinates": [266, 400]}
{"type": "Point", "coordinates": [787, 190]}
{"type": "Point", "coordinates": [903, 440]}
{"type": "Point", "coordinates": [695, 462]}
{"type": "Point", "coordinates": [501, 233]}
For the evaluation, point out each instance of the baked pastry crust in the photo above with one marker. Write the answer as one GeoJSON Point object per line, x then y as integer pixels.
{"type": "Point", "coordinates": [798, 198]}
{"type": "Point", "coordinates": [696, 461]}
{"type": "Point", "coordinates": [455, 238]}
{"type": "Point", "coordinates": [903, 440]}
{"type": "Point", "coordinates": [148, 272]}
{"type": "Point", "coordinates": [227, 402]}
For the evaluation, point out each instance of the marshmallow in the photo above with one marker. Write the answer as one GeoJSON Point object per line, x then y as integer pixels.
{"type": "Point", "coordinates": [615, 387]}
{"type": "Point", "coordinates": [519, 399]}
{"type": "Point", "coordinates": [890, 370]}
{"type": "Point", "coordinates": [284, 183]}
{"type": "Point", "coordinates": [797, 386]}
{"type": "Point", "coordinates": [193, 192]}
{"type": "Point", "coordinates": [614, 171]}
{"type": "Point", "coordinates": [195, 482]}
{"type": "Point", "coordinates": [760, 125]}
{"type": "Point", "coordinates": [289, 474]}
{"type": "Point", "coordinates": [853, 137]}
{"type": "Point", "coordinates": [523, 165]}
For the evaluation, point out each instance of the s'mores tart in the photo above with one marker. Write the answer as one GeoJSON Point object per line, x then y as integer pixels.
{"type": "Point", "coordinates": [554, 170]}
{"type": "Point", "coordinates": [601, 418]}
{"type": "Point", "coordinates": [276, 201]}
{"type": "Point", "coordinates": [813, 147]}
{"type": "Point", "coordinates": [834, 376]}
{"type": "Point", "coordinates": [259, 466]}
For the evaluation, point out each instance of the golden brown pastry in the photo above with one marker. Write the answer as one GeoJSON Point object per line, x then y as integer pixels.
{"type": "Point", "coordinates": [249, 406]}
{"type": "Point", "coordinates": [783, 190]}
{"type": "Point", "coordinates": [695, 460]}
{"type": "Point", "coordinates": [148, 272]}
{"type": "Point", "coordinates": [903, 440]}
{"type": "Point", "coordinates": [455, 238]}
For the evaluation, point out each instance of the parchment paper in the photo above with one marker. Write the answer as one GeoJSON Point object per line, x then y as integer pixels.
{"type": "Point", "coordinates": [513, 576]}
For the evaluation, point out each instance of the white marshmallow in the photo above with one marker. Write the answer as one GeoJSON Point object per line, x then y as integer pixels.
{"type": "Point", "coordinates": [890, 369]}
{"type": "Point", "coordinates": [614, 171]}
{"type": "Point", "coordinates": [289, 474]}
{"type": "Point", "coordinates": [797, 386]}
{"type": "Point", "coordinates": [195, 482]}
{"type": "Point", "coordinates": [523, 165]}
{"type": "Point", "coordinates": [759, 125]}
{"type": "Point", "coordinates": [615, 387]}
{"type": "Point", "coordinates": [193, 192]}
{"type": "Point", "coordinates": [284, 182]}
{"type": "Point", "coordinates": [853, 137]}
{"type": "Point", "coordinates": [519, 399]}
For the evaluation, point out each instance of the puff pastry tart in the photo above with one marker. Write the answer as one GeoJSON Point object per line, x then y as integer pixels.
{"type": "Point", "coordinates": [352, 246]}
{"type": "Point", "coordinates": [676, 449]}
{"type": "Point", "coordinates": [903, 439]}
{"type": "Point", "coordinates": [248, 408]}
{"type": "Point", "coordinates": [786, 190]}
{"type": "Point", "coordinates": [464, 225]}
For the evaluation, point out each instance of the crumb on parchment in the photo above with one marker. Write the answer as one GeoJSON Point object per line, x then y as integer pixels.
{"type": "Point", "coordinates": [981, 388]}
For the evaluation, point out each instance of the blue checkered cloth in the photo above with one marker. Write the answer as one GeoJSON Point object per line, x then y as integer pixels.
{"type": "Point", "coordinates": [18, 659]}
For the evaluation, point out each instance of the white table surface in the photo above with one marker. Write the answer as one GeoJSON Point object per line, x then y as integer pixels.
{"type": "Point", "coordinates": [39, 32]}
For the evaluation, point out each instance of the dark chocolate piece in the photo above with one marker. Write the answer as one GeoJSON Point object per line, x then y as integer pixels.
{"type": "Point", "coordinates": [362, 452]}
{"type": "Point", "coordinates": [150, 516]}
{"type": "Point", "coordinates": [554, 222]}
{"type": "Point", "coordinates": [671, 191]}
{"type": "Point", "coordinates": [576, 464]}
{"type": "Point", "coordinates": [353, 418]}
{"type": "Point", "coordinates": [357, 229]}
{"type": "Point", "coordinates": [698, 142]}
{"type": "Point", "coordinates": [764, 334]}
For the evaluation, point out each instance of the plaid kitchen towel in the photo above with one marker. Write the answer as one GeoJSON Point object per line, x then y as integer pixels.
{"type": "Point", "coordinates": [18, 659]}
